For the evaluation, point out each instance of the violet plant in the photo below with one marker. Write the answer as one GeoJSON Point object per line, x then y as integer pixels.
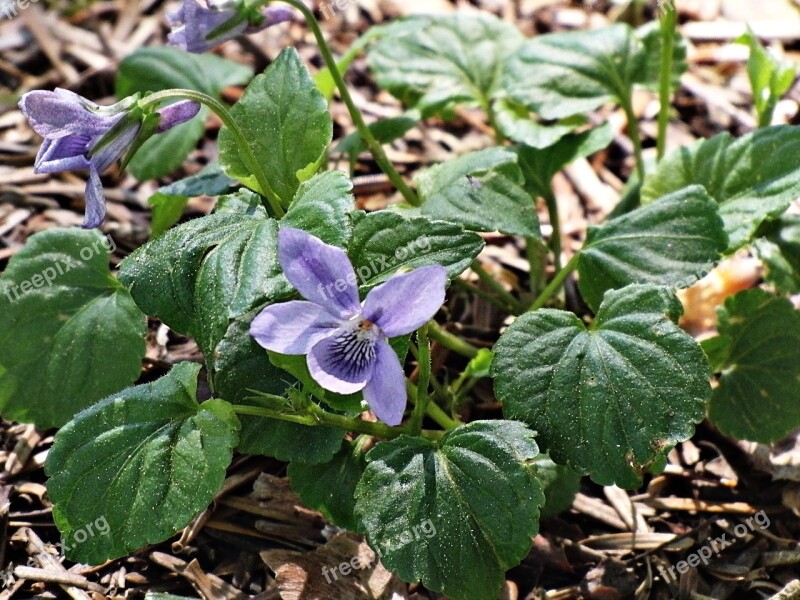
{"type": "Point", "coordinates": [308, 311]}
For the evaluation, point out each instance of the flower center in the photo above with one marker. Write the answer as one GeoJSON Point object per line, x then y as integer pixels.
{"type": "Point", "coordinates": [353, 346]}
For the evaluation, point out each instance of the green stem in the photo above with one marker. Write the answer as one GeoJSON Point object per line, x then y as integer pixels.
{"type": "Point", "coordinates": [433, 410]}
{"type": "Point", "coordinates": [536, 253]}
{"type": "Point", "coordinates": [450, 341]}
{"type": "Point", "coordinates": [473, 289]}
{"type": "Point", "coordinates": [635, 135]}
{"type": "Point", "coordinates": [245, 150]}
{"type": "Point", "coordinates": [373, 144]}
{"type": "Point", "coordinates": [494, 285]}
{"type": "Point", "coordinates": [424, 360]}
{"type": "Point", "coordinates": [555, 223]}
{"type": "Point", "coordinates": [555, 284]}
{"type": "Point", "coordinates": [669, 20]}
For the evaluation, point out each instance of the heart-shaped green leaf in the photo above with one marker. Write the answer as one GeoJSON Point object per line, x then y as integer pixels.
{"type": "Point", "coordinates": [611, 399]}
{"type": "Point", "coordinates": [481, 191]}
{"type": "Point", "coordinates": [563, 74]}
{"type": "Point", "coordinates": [433, 62]}
{"type": "Point", "coordinates": [455, 514]}
{"type": "Point", "coordinates": [144, 461]}
{"type": "Point", "coordinates": [70, 334]}
{"type": "Point", "coordinates": [758, 397]}
{"type": "Point", "coordinates": [385, 242]}
{"type": "Point", "coordinates": [321, 207]}
{"type": "Point", "coordinates": [286, 122]}
{"type": "Point", "coordinates": [674, 242]}
{"type": "Point", "coordinates": [748, 188]}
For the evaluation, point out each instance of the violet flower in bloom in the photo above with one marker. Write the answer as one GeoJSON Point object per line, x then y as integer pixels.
{"type": "Point", "coordinates": [200, 25]}
{"type": "Point", "coordinates": [346, 340]}
{"type": "Point", "coordinates": [79, 134]}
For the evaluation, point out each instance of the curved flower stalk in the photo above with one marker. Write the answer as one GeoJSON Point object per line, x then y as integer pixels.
{"type": "Point", "coordinates": [346, 341]}
{"type": "Point", "coordinates": [200, 25]}
{"type": "Point", "coordinates": [79, 134]}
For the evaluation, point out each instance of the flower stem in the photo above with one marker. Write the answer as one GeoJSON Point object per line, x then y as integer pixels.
{"type": "Point", "coordinates": [246, 152]}
{"type": "Point", "coordinates": [317, 417]}
{"type": "Point", "coordinates": [494, 285]}
{"type": "Point", "coordinates": [555, 223]}
{"type": "Point", "coordinates": [555, 284]}
{"type": "Point", "coordinates": [450, 341]}
{"type": "Point", "coordinates": [669, 20]}
{"type": "Point", "coordinates": [635, 135]}
{"type": "Point", "coordinates": [433, 410]}
{"type": "Point", "coordinates": [372, 143]}
{"type": "Point", "coordinates": [424, 360]}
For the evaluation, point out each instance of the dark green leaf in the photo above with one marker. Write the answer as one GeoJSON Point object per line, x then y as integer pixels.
{"type": "Point", "coordinates": [481, 191]}
{"type": "Point", "coordinates": [384, 243]}
{"type": "Point", "coordinates": [433, 62]}
{"type": "Point", "coordinates": [560, 483]}
{"type": "Point", "coordinates": [454, 515]}
{"type": "Point", "coordinates": [286, 122]}
{"type": "Point", "coordinates": [70, 334]}
{"type": "Point", "coordinates": [210, 181]}
{"type": "Point", "coordinates": [609, 399]}
{"type": "Point", "coordinates": [167, 210]}
{"type": "Point", "coordinates": [146, 461]}
{"type": "Point", "coordinates": [516, 123]}
{"type": "Point", "coordinates": [758, 397]}
{"type": "Point", "coordinates": [674, 241]}
{"type": "Point", "coordinates": [780, 251]}
{"type": "Point", "coordinates": [161, 68]}
{"type": "Point", "coordinates": [330, 487]}
{"type": "Point", "coordinates": [321, 207]}
{"type": "Point", "coordinates": [748, 188]}
{"type": "Point", "coordinates": [563, 74]}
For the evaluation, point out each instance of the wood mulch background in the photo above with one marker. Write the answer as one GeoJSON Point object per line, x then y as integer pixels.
{"type": "Point", "coordinates": [256, 540]}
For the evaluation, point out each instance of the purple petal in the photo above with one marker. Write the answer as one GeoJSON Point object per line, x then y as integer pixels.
{"type": "Point", "coordinates": [343, 362]}
{"type": "Point", "coordinates": [292, 327]}
{"type": "Point", "coordinates": [385, 392]}
{"type": "Point", "coordinates": [95, 201]}
{"type": "Point", "coordinates": [60, 113]}
{"type": "Point", "coordinates": [321, 273]}
{"type": "Point", "coordinates": [177, 113]}
{"type": "Point", "coordinates": [274, 15]}
{"type": "Point", "coordinates": [63, 154]}
{"type": "Point", "coordinates": [192, 23]}
{"type": "Point", "coordinates": [113, 151]}
{"type": "Point", "coordinates": [406, 302]}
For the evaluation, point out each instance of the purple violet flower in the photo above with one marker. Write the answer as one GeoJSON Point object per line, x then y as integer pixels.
{"type": "Point", "coordinates": [196, 20]}
{"type": "Point", "coordinates": [79, 134]}
{"type": "Point", "coordinates": [346, 340]}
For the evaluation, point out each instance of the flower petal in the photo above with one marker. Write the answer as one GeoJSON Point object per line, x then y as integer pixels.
{"type": "Point", "coordinates": [321, 273]}
{"type": "Point", "coordinates": [60, 113]}
{"type": "Point", "coordinates": [406, 302]}
{"type": "Point", "coordinates": [95, 201]}
{"type": "Point", "coordinates": [343, 362]}
{"type": "Point", "coordinates": [53, 157]}
{"type": "Point", "coordinates": [292, 327]}
{"type": "Point", "coordinates": [177, 113]}
{"type": "Point", "coordinates": [385, 392]}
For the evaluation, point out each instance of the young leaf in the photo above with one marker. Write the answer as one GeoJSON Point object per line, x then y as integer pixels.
{"type": "Point", "coordinates": [285, 119]}
{"type": "Point", "coordinates": [562, 74]}
{"type": "Point", "coordinates": [434, 62]}
{"type": "Point", "coordinates": [481, 191]}
{"type": "Point", "coordinates": [147, 460]}
{"type": "Point", "coordinates": [385, 242]}
{"type": "Point", "coordinates": [748, 188]}
{"type": "Point", "coordinates": [674, 241]}
{"type": "Point", "coordinates": [758, 397]}
{"type": "Point", "coordinates": [769, 78]}
{"type": "Point", "coordinates": [70, 334]}
{"type": "Point", "coordinates": [539, 166]}
{"type": "Point", "coordinates": [607, 400]}
{"type": "Point", "coordinates": [432, 509]}
{"type": "Point", "coordinates": [321, 207]}
{"type": "Point", "coordinates": [330, 487]}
